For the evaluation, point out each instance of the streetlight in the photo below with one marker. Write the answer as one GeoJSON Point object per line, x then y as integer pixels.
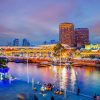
{"type": "Point", "coordinates": [27, 69]}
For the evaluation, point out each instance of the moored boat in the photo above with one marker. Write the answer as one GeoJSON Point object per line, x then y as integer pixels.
{"type": "Point", "coordinates": [86, 62]}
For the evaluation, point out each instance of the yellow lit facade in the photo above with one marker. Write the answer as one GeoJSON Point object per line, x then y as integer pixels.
{"type": "Point", "coordinates": [41, 51]}
{"type": "Point", "coordinates": [92, 46]}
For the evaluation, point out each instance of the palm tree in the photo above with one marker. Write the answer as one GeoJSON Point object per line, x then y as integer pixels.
{"type": "Point", "coordinates": [59, 48]}
{"type": "Point", "coordinates": [3, 67]}
{"type": "Point", "coordinates": [3, 61]}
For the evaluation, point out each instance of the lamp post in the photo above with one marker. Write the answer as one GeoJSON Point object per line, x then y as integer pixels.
{"type": "Point", "coordinates": [27, 69]}
{"type": "Point", "coordinates": [32, 83]}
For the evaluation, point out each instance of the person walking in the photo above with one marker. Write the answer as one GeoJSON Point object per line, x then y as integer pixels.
{"type": "Point", "coordinates": [78, 91]}
{"type": "Point", "coordinates": [94, 97]}
{"type": "Point", "coordinates": [52, 98]}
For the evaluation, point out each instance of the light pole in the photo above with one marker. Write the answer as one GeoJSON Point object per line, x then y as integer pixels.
{"type": "Point", "coordinates": [32, 83]}
{"type": "Point", "coordinates": [76, 78]}
{"type": "Point", "coordinates": [27, 69]}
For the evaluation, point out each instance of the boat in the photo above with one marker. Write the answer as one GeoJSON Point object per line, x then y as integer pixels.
{"type": "Point", "coordinates": [86, 62]}
{"type": "Point", "coordinates": [43, 89]}
{"type": "Point", "coordinates": [18, 61]}
{"type": "Point", "coordinates": [57, 92]}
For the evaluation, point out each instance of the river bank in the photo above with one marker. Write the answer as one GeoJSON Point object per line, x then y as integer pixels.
{"type": "Point", "coordinates": [12, 90]}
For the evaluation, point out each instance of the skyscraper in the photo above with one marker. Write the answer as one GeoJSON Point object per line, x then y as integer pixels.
{"type": "Point", "coordinates": [52, 41]}
{"type": "Point", "coordinates": [81, 36]}
{"type": "Point", "coordinates": [16, 42]}
{"type": "Point", "coordinates": [25, 42]}
{"type": "Point", "coordinates": [66, 34]}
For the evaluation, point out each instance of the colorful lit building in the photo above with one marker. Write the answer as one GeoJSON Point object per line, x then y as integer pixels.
{"type": "Point", "coordinates": [41, 51]}
{"type": "Point", "coordinates": [92, 47]}
{"type": "Point", "coordinates": [81, 36]}
{"type": "Point", "coordinates": [91, 50]}
{"type": "Point", "coordinates": [66, 34]}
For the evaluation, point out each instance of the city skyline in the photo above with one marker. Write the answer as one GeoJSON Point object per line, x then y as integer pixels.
{"type": "Point", "coordinates": [39, 21]}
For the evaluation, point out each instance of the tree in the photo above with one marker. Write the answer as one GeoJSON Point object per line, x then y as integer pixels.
{"type": "Point", "coordinates": [59, 48]}
{"type": "Point", "coordinates": [3, 61]}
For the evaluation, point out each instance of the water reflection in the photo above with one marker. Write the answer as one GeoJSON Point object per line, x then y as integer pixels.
{"type": "Point", "coordinates": [88, 78]}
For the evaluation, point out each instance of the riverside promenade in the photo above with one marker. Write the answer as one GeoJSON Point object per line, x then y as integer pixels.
{"type": "Point", "coordinates": [12, 90]}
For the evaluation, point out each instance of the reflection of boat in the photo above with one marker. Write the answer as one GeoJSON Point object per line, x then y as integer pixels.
{"type": "Point", "coordinates": [44, 64]}
{"type": "Point", "coordinates": [59, 64]}
{"type": "Point", "coordinates": [76, 65]}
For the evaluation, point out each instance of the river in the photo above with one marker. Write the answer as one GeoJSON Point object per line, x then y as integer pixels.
{"type": "Point", "coordinates": [86, 78]}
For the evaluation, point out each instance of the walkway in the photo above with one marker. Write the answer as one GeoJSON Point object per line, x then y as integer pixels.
{"type": "Point", "coordinates": [10, 91]}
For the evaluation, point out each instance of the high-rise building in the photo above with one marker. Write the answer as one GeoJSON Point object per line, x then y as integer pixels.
{"type": "Point", "coordinates": [16, 42]}
{"type": "Point", "coordinates": [81, 36]}
{"type": "Point", "coordinates": [25, 42]}
{"type": "Point", "coordinates": [52, 42]}
{"type": "Point", "coordinates": [67, 34]}
{"type": "Point", "coordinates": [45, 42]}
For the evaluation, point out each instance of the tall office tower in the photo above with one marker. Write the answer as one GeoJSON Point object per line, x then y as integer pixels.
{"type": "Point", "coordinates": [25, 42]}
{"type": "Point", "coordinates": [52, 42]}
{"type": "Point", "coordinates": [67, 34]}
{"type": "Point", "coordinates": [16, 42]}
{"type": "Point", "coordinates": [45, 42]}
{"type": "Point", "coordinates": [81, 36]}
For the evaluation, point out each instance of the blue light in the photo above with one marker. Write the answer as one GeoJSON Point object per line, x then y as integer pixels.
{"type": "Point", "coordinates": [4, 70]}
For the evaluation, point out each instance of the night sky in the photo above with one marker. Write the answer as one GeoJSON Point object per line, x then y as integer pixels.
{"type": "Point", "coordinates": [38, 20]}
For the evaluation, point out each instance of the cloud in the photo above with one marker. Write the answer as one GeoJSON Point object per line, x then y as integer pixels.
{"type": "Point", "coordinates": [95, 28]}
{"type": "Point", "coordinates": [39, 20]}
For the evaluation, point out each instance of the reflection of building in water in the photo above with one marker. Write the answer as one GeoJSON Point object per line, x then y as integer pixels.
{"type": "Point", "coordinates": [88, 71]}
{"type": "Point", "coordinates": [73, 79]}
{"type": "Point", "coordinates": [60, 76]}
{"type": "Point", "coordinates": [63, 78]}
